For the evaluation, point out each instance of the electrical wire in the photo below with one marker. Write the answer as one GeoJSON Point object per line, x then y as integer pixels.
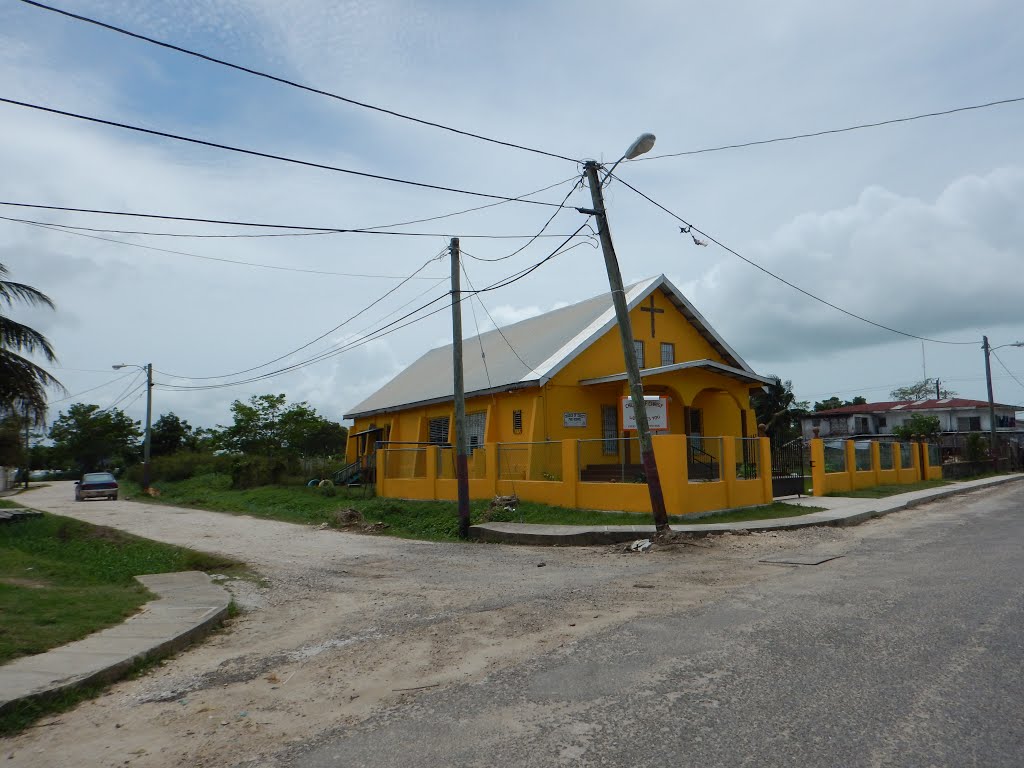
{"type": "Point", "coordinates": [264, 225]}
{"type": "Point", "coordinates": [292, 83]}
{"type": "Point", "coordinates": [268, 155]}
{"type": "Point", "coordinates": [67, 231]}
{"type": "Point", "coordinates": [91, 389]}
{"type": "Point", "coordinates": [830, 131]}
{"type": "Point", "coordinates": [782, 280]}
{"type": "Point", "coordinates": [321, 336]}
{"type": "Point", "coordinates": [577, 185]}
{"type": "Point", "coordinates": [1019, 384]}
{"type": "Point", "coordinates": [130, 389]}
{"type": "Point", "coordinates": [496, 327]}
{"type": "Point", "coordinates": [388, 329]}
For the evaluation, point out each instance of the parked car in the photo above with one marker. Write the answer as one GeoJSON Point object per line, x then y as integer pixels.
{"type": "Point", "coordinates": [95, 485]}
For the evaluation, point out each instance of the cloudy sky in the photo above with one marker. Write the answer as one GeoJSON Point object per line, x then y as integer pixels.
{"type": "Point", "coordinates": [916, 226]}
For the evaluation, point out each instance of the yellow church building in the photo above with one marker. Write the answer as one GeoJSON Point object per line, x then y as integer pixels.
{"type": "Point", "coordinates": [548, 416]}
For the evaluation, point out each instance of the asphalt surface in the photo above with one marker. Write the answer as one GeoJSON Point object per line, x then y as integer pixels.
{"type": "Point", "coordinates": [907, 650]}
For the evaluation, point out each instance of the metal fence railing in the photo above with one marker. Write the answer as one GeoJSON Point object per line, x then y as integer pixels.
{"type": "Point", "coordinates": [405, 463]}
{"type": "Point", "coordinates": [595, 462]}
{"type": "Point", "coordinates": [476, 462]}
{"type": "Point", "coordinates": [905, 455]}
{"type": "Point", "coordinates": [862, 456]}
{"type": "Point", "coordinates": [934, 454]}
{"type": "Point", "coordinates": [835, 455]}
{"type": "Point", "coordinates": [530, 461]}
{"type": "Point", "coordinates": [704, 459]}
{"type": "Point", "coordinates": [885, 458]}
{"type": "Point", "coordinates": [748, 458]}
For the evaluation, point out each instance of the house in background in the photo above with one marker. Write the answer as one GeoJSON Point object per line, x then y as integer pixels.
{"type": "Point", "coordinates": [955, 414]}
{"type": "Point", "coordinates": [561, 375]}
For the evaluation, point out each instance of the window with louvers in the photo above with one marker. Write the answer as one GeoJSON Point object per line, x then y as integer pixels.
{"type": "Point", "coordinates": [439, 431]}
{"type": "Point", "coordinates": [476, 423]}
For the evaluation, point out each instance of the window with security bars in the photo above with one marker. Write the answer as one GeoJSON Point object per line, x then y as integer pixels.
{"type": "Point", "coordinates": [438, 431]}
{"type": "Point", "coordinates": [638, 348]}
{"type": "Point", "coordinates": [668, 353]}
{"type": "Point", "coordinates": [476, 423]}
{"type": "Point", "coordinates": [517, 422]}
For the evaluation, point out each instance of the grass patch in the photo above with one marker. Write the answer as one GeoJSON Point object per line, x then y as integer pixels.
{"type": "Point", "coordinates": [431, 520]}
{"type": "Point", "coordinates": [881, 491]}
{"type": "Point", "coordinates": [8, 504]}
{"type": "Point", "coordinates": [62, 579]}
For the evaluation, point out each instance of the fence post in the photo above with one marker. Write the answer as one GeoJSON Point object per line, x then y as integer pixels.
{"type": "Point", "coordinates": [728, 469]}
{"type": "Point", "coordinates": [850, 451]}
{"type": "Point", "coordinates": [570, 472]}
{"type": "Point", "coordinates": [818, 466]}
{"type": "Point", "coordinates": [765, 469]}
{"type": "Point", "coordinates": [381, 470]}
{"type": "Point", "coordinates": [491, 467]}
{"type": "Point", "coordinates": [876, 461]}
{"type": "Point", "coordinates": [432, 469]}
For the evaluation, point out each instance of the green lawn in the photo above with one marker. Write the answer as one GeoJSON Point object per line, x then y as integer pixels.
{"type": "Point", "coordinates": [433, 520]}
{"type": "Point", "coordinates": [62, 579]}
{"type": "Point", "coordinates": [881, 491]}
{"type": "Point", "coordinates": [771, 511]}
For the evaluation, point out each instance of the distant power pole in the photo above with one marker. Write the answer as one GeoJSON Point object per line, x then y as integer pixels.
{"type": "Point", "coordinates": [461, 442]}
{"type": "Point", "coordinates": [993, 440]}
{"type": "Point", "coordinates": [937, 391]}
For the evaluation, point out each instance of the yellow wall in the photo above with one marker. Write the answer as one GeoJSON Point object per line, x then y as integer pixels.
{"type": "Point", "coordinates": [852, 479]}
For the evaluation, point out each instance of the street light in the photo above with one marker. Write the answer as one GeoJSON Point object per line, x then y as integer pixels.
{"type": "Point", "coordinates": [991, 401]}
{"type": "Point", "coordinates": [636, 388]}
{"type": "Point", "coordinates": [148, 368]}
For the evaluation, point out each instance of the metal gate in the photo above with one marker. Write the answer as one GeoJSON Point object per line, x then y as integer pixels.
{"type": "Point", "coordinates": [790, 468]}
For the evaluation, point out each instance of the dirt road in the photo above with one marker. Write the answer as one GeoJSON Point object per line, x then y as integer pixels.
{"type": "Point", "coordinates": [341, 625]}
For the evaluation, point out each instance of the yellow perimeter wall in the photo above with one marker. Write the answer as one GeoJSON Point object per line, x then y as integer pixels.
{"type": "Point", "coordinates": [920, 468]}
{"type": "Point", "coordinates": [681, 496]}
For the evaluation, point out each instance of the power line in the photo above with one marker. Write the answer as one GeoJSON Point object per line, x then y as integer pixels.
{"type": "Point", "coordinates": [496, 326]}
{"type": "Point", "coordinates": [130, 389]}
{"type": "Point", "coordinates": [390, 327]}
{"type": "Point", "coordinates": [690, 227]}
{"type": "Point", "coordinates": [318, 338]}
{"type": "Point", "coordinates": [264, 225]}
{"type": "Point", "coordinates": [847, 129]}
{"type": "Point", "coordinates": [1007, 370]}
{"type": "Point", "coordinates": [69, 231]}
{"type": "Point", "coordinates": [76, 228]}
{"type": "Point", "coordinates": [91, 389]}
{"type": "Point", "coordinates": [292, 83]}
{"type": "Point", "coordinates": [268, 155]}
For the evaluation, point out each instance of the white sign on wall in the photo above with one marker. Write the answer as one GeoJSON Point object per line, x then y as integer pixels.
{"type": "Point", "coordinates": [574, 419]}
{"type": "Point", "coordinates": [657, 413]}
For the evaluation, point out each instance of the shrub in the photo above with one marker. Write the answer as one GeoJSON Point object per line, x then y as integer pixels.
{"type": "Point", "coordinates": [976, 448]}
{"type": "Point", "coordinates": [253, 471]}
{"type": "Point", "coordinates": [180, 466]}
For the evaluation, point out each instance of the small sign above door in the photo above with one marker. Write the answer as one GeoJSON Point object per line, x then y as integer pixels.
{"type": "Point", "coordinates": [574, 419]}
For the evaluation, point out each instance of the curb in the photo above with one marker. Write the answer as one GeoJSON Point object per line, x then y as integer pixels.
{"type": "Point", "coordinates": [582, 536]}
{"type": "Point", "coordinates": [188, 607]}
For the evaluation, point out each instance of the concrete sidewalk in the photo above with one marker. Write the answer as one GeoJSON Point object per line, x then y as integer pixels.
{"type": "Point", "coordinates": [189, 605]}
{"type": "Point", "coordinates": [838, 510]}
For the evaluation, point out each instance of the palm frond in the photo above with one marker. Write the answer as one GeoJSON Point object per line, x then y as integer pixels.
{"type": "Point", "coordinates": [23, 386]}
{"type": "Point", "coordinates": [20, 338]}
{"type": "Point", "coordinates": [11, 292]}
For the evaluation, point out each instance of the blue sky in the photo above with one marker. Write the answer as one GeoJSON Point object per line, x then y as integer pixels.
{"type": "Point", "coordinates": [916, 226]}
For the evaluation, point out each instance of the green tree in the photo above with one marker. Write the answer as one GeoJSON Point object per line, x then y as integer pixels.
{"type": "Point", "coordinates": [267, 426]}
{"type": "Point", "coordinates": [928, 427]}
{"type": "Point", "coordinates": [90, 438]}
{"type": "Point", "coordinates": [921, 390]}
{"type": "Point", "coordinates": [778, 409]}
{"type": "Point", "coordinates": [23, 383]}
{"type": "Point", "coordinates": [171, 434]}
{"type": "Point", "coordinates": [835, 402]}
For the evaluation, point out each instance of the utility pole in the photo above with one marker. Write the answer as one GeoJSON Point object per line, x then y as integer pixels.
{"type": "Point", "coordinates": [149, 428]}
{"type": "Point", "coordinates": [636, 387]}
{"type": "Point", "coordinates": [991, 403]}
{"type": "Point", "coordinates": [461, 443]}
{"type": "Point", "coordinates": [937, 395]}
{"type": "Point", "coordinates": [28, 449]}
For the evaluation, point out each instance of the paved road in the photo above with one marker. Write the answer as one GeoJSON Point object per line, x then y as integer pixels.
{"type": "Point", "coordinates": [906, 651]}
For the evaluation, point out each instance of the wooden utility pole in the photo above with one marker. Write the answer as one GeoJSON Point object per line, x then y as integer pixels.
{"type": "Point", "coordinates": [636, 387]}
{"type": "Point", "coordinates": [991, 404]}
{"type": "Point", "coordinates": [461, 442]}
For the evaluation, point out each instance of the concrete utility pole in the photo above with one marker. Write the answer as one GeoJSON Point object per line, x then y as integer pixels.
{"type": "Point", "coordinates": [991, 403]}
{"type": "Point", "coordinates": [461, 442]}
{"type": "Point", "coordinates": [149, 427]}
{"type": "Point", "coordinates": [636, 387]}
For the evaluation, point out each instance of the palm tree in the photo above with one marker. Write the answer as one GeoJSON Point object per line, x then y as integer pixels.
{"type": "Point", "coordinates": [23, 383]}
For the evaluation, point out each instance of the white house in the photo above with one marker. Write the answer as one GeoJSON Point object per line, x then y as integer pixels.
{"type": "Point", "coordinates": [955, 414]}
